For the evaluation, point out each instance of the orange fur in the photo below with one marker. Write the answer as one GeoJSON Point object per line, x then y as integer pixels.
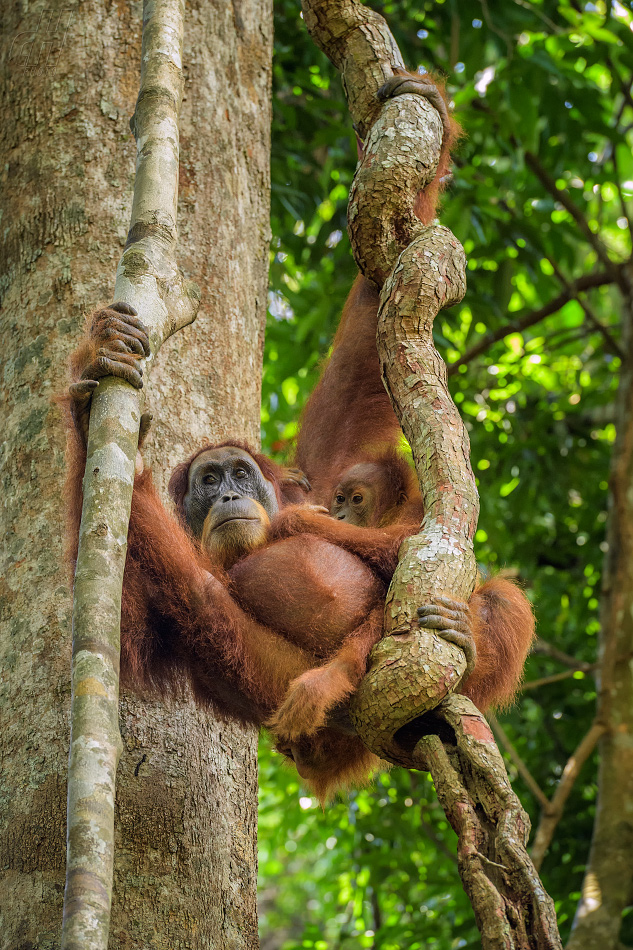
{"type": "Point", "coordinates": [181, 617]}
{"type": "Point", "coordinates": [503, 628]}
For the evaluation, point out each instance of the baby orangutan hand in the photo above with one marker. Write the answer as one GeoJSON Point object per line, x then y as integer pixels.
{"type": "Point", "coordinates": [294, 476]}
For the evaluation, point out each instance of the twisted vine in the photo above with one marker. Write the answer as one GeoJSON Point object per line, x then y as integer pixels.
{"type": "Point", "coordinates": [422, 270]}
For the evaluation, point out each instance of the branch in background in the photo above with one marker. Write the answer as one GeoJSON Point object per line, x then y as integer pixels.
{"type": "Point", "coordinates": [534, 163]}
{"type": "Point", "coordinates": [426, 823]}
{"type": "Point", "coordinates": [559, 339]}
{"type": "Point", "coordinates": [625, 88]}
{"type": "Point", "coordinates": [556, 677]}
{"type": "Point", "coordinates": [522, 768]}
{"type": "Point", "coordinates": [553, 813]}
{"type": "Point", "coordinates": [586, 282]}
{"type": "Point", "coordinates": [543, 648]}
{"type": "Point", "coordinates": [495, 29]}
{"type": "Point", "coordinates": [375, 908]}
{"type": "Point", "coordinates": [453, 58]}
{"type": "Point", "coordinates": [433, 836]}
{"type": "Point", "coordinates": [612, 344]}
{"type": "Point", "coordinates": [536, 12]}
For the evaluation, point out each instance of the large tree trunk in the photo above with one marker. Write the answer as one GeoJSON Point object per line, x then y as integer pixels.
{"type": "Point", "coordinates": [608, 885]}
{"type": "Point", "coordinates": [186, 803]}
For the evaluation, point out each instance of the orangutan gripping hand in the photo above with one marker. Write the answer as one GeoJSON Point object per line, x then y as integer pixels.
{"type": "Point", "coordinates": [450, 619]}
{"type": "Point", "coordinates": [424, 85]}
{"type": "Point", "coordinates": [116, 343]}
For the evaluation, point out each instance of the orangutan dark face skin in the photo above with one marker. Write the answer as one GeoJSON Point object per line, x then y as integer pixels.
{"type": "Point", "coordinates": [229, 504]}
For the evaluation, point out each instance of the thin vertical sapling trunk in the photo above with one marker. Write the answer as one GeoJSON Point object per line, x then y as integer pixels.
{"type": "Point", "coordinates": [147, 279]}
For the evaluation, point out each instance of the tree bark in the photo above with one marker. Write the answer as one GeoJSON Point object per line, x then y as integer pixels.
{"type": "Point", "coordinates": [512, 909]}
{"type": "Point", "coordinates": [608, 884]}
{"type": "Point", "coordinates": [401, 149]}
{"type": "Point", "coordinates": [186, 807]}
{"type": "Point", "coordinates": [420, 270]}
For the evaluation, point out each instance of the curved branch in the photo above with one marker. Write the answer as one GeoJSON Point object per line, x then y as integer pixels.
{"type": "Point", "coordinates": [147, 278]}
{"type": "Point", "coordinates": [553, 811]}
{"type": "Point", "coordinates": [428, 276]}
{"type": "Point", "coordinates": [521, 767]}
{"type": "Point", "coordinates": [534, 163]}
{"type": "Point", "coordinates": [519, 324]}
{"type": "Point", "coordinates": [400, 157]}
{"type": "Point", "coordinates": [361, 46]}
{"type": "Point", "coordinates": [412, 670]}
{"type": "Point", "coordinates": [512, 909]}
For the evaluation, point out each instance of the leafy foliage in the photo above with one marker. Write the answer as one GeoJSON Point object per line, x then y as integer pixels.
{"type": "Point", "coordinates": [542, 89]}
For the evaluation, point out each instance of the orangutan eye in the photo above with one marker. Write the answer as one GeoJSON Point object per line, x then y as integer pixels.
{"type": "Point", "coordinates": [339, 499]}
{"type": "Point", "coordinates": [357, 499]}
{"type": "Point", "coordinates": [240, 473]}
{"type": "Point", "coordinates": [209, 479]}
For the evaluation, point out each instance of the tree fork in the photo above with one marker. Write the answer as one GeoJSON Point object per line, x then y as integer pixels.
{"type": "Point", "coordinates": [148, 279]}
{"type": "Point", "coordinates": [511, 906]}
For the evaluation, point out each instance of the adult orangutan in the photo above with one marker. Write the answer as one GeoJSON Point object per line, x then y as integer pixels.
{"type": "Point", "coordinates": [244, 614]}
{"type": "Point", "coordinates": [270, 623]}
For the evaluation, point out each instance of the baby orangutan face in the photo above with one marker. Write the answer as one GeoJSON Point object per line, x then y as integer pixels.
{"type": "Point", "coordinates": [229, 504]}
{"type": "Point", "coordinates": [356, 496]}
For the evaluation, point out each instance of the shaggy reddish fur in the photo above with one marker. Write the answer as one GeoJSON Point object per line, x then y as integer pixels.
{"type": "Point", "coordinates": [502, 621]}
{"type": "Point", "coordinates": [179, 616]}
{"type": "Point", "coordinates": [503, 628]}
{"type": "Point", "coordinates": [349, 411]}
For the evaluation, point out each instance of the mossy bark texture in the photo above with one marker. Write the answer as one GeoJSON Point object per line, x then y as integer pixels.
{"type": "Point", "coordinates": [421, 270]}
{"type": "Point", "coordinates": [512, 908]}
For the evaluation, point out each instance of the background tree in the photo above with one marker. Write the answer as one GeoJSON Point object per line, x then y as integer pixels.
{"type": "Point", "coordinates": [185, 865]}
{"type": "Point", "coordinates": [541, 202]}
